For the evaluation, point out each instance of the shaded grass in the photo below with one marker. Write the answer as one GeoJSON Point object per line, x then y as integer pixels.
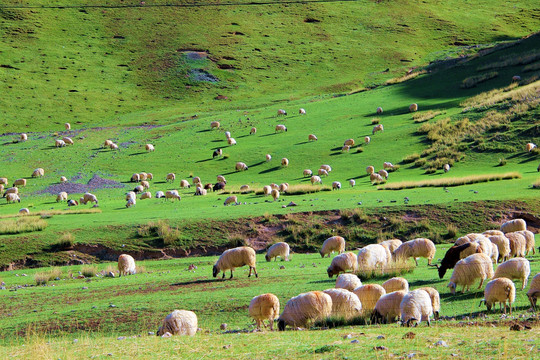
{"type": "Point", "coordinates": [536, 184]}
{"type": "Point", "coordinates": [22, 224]}
{"type": "Point", "coordinates": [472, 81]}
{"type": "Point", "coordinates": [425, 116]}
{"type": "Point", "coordinates": [473, 179]}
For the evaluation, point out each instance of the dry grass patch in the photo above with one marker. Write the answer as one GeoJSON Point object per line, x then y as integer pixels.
{"type": "Point", "coordinates": [300, 189]}
{"type": "Point", "coordinates": [89, 270]}
{"type": "Point", "coordinates": [42, 278]}
{"type": "Point", "coordinates": [473, 179]}
{"type": "Point", "coordinates": [536, 184]}
{"type": "Point", "coordinates": [472, 81]}
{"type": "Point", "coordinates": [425, 116]}
{"type": "Point", "coordinates": [512, 93]}
{"type": "Point", "coordinates": [22, 224]}
{"type": "Point", "coordinates": [511, 60]}
{"type": "Point", "coordinates": [404, 77]}
{"type": "Point", "coordinates": [49, 213]}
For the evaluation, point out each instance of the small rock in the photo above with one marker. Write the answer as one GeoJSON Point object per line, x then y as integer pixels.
{"type": "Point", "coordinates": [75, 341]}
{"type": "Point", "coordinates": [112, 306]}
{"type": "Point", "coordinates": [110, 274]}
{"type": "Point", "coordinates": [284, 206]}
{"type": "Point", "coordinates": [282, 267]}
{"type": "Point", "coordinates": [441, 343]}
{"type": "Point", "coordinates": [109, 354]}
{"type": "Point", "coordinates": [121, 338]}
{"type": "Point", "coordinates": [381, 337]}
{"type": "Point", "coordinates": [151, 333]}
{"type": "Point", "coordinates": [166, 335]}
{"type": "Point", "coordinates": [223, 326]}
{"type": "Point", "coordinates": [24, 275]}
{"type": "Point", "coordinates": [411, 355]}
{"type": "Point", "coordinates": [359, 203]}
{"type": "Point", "coordinates": [380, 348]}
{"type": "Point", "coordinates": [355, 341]}
{"type": "Point", "coordinates": [85, 287]}
{"type": "Point", "coordinates": [348, 336]}
{"type": "Point", "coordinates": [453, 354]}
{"type": "Point", "coordinates": [227, 346]}
{"type": "Point", "coordinates": [292, 203]}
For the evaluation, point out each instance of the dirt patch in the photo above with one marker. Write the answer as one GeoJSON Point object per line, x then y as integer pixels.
{"type": "Point", "coordinates": [95, 183]}
{"type": "Point", "coordinates": [202, 75]}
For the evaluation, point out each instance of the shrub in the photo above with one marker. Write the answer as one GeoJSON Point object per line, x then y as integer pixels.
{"type": "Point", "coordinates": [64, 243]}
{"type": "Point", "coordinates": [41, 278]}
{"type": "Point", "coordinates": [451, 231]}
{"type": "Point", "coordinates": [375, 121]}
{"type": "Point", "coordinates": [473, 179]}
{"type": "Point", "coordinates": [536, 184]}
{"type": "Point", "coordinates": [410, 158]}
{"type": "Point", "coordinates": [22, 224]}
{"type": "Point", "coordinates": [502, 162]}
{"type": "Point", "coordinates": [472, 81]}
{"type": "Point", "coordinates": [431, 170]}
{"type": "Point", "coordinates": [359, 149]}
{"type": "Point", "coordinates": [89, 270]}
{"type": "Point", "coordinates": [235, 240]}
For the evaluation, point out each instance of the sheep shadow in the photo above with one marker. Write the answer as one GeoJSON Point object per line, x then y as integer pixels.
{"type": "Point", "coordinates": [139, 153]}
{"type": "Point", "coordinates": [473, 294]}
{"type": "Point", "coordinates": [160, 182]}
{"type": "Point", "coordinates": [275, 168]}
{"type": "Point", "coordinates": [50, 148]}
{"type": "Point", "coordinates": [257, 164]}
{"type": "Point", "coordinates": [217, 140]}
{"type": "Point", "coordinates": [323, 281]}
{"type": "Point", "coordinates": [302, 143]}
{"type": "Point", "coordinates": [336, 149]}
{"type": "Point", "coordinates": [243, 136]}
{"type": "Point", "coordinates": [271, 134]}
{"type": "Point", "coordinates": [421, 283]}
{"type": "Point", "coordinates": [195, 282]}
{"type": "Point", "coordinates": [205, 130]}
{"type": "Point", "coordinates": [336, 153]}
{"type": "Point", "coordinates": [204, 160]}
{"type": "Point", "coordinates": [531, 158]}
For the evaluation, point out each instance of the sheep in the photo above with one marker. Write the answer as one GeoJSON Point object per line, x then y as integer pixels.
{"type": "Point", "coordinates": [307, 172]}
{"type": "Point", "coordinates": [379, 110]}
{"type": "Point", "coordinates": [435, 300]}
{"type": "Point", "coordinates": [281, 112]}
{"type": "Point", "coordinates": [370, 170]}
{"type": "Point", "coordinates": [529, 243]}
{"type": "Point", "coordinates": [1, 188]}
{"type": "Point", "coordinates": [159, 194]}
{"type": "Point", "coordinates": [280, 249]}
{"type": "Point", "coordinates": [149, 176]}
{"type": "Point", "coordinates": [11, 190]}
{"type": "Point", "coordinates": [372, 257]}
{"type": "Point", "coordinates": [446, 168]}
{"type": "Point", "coordinates": [489, 233]}
{"type": "Point", "coordinates": [268, 157]}
{"type": "Point", "coordinates": [499, 291]}
{"type": "Point", "coordinates": [114, 147]}
{"type": "Point", "coordinates": [302, 111]}
{"type": "Point", "coordinates": [517, 268]}
{"type": "Point", "coordinates": [67, 126]}
{"type": "Point", "coordinates": [149, 147]}
{"type": "Point", "coordinates": [61, 196]}
{"type": "Point", "coordinates": [68, 140]}
{"type": "Point", "coordinates": [145, 184]}
{"type": "Point", "coordinates": [343, 263]}
{"type": "Point", "coordinates": [387, 308]}
{"type": "Point", "coordinates": [304, 309]}
{"type": "Point", "coordinates": [369, 295]}
{"type": "Point", "coordinates": [275, 194]}
{"type": "Point", "coordinates": [503, 246]}
{"type": "Point", "coordinates": [228, 134]}
{"type": "Point", "coordinates": [240, 166]}
{"type": "Point", "coordinates": [529, 147]}
{"type": "Point", "coordinates": [516, 78]}
{"type": "Point", "coordinates": [376, 128]}
{"type": "Point", "coordinates": [59, 143]}
{"type": "Point", "coordinates": [283, 187]}
{"type": "Point", "coordinates": [514, 225]}
{"type": "Point", "coordinates": [352, 182]}
{"type": "Point", "coordinates": [345, 148]}
{"type": "Point", "coordinates": [315, 180]}
{"type": "Point", "coordinates": [231, 141]}
{"type": "Point", "coordinates": [534, 291]}
{"type": "Point", "coordinates": [126, 265]}
{"type": "Point", "coordinates": [388, 165]}
{"type": "Point", "coordinates": [244, 189]}
{"type": "Point", "coordinates": [345, 303]}
{"type": "Point", "coordinates": [39, 172]}
{"type": "Point", "coordinates": [234, 258]}
{"type": "Point", "coordinates": [179, 322]}
{"type": "Point", "coordinates": [230, 200]}
{"type": "Point", "coordinates": [284, 162]}
{"type": "Point", "coordinates": [328, 168]}
{"type": "Point", "coordinates": [267, 190]}
{"type": "Point", "coordinates": [452, 256]}
{"type": "Point", "coordinates": [146, 195]}
{"type": "Point", "coordinates": [413, 107]}
{"type": "Point", "coordinates": [143, 176]}
{"type": "Point", "coordinates": [416, 248]}
{"type": "Point", "coordinates": [367, 140]}
{"type": "Point", "coordinates": [281, 128]}
{"type": "Point", "coordinates": [199, 191]}
{"type": "Point", "coordinates": [11, 198]}
{"type": "Point", "coordinates": [208, 186]}
{"type": "Point", "coordinates": [322, 172]}
{"type": "Point", "coordinates": [253, 131]}
{"type": "Point", "coordinates": [312, 137]}
{"type": "Point", "coordinates": [19, 182]}
{"type": "Point", "coordinates": [130, 195]}
{"type": "Point", "coordinates": [334, 243]}
{"type": "Point", "coordinates": [391, 244]}
{"type": "Point", "coordinates": [4, 181]}
{"type": "Point", "coordinates": [264, 307]}
{"type": "Point", "coordinates": [376, 178]}
{"type": "Point", "coordinates": [172, 194]}
{"type": "Point", "coordinates": [131, 202]}
{"type": "Point", "coordinates": [494, 253]}
{"type": "Point", "coordinates": [469, 269]}
{"type": "Point", "coordinates": [274, 186]}
{"type": "Point", "coordinates": [383, 173]}
{"type": "Point", "coordinates": [138, 189]}
{"type": "Point", "coordinates": [215, 125]}
{"type": "Point", "coordinates": [24, 211]}
{"type": "Point", "coordinates": [396, 284]}
{"type": "Point", "coordinates": [107, 143]}
{"type": "Point", "coordinates": [184, 184]}
{"type": "Point", "coordinates": [416, 307]}
{"type": "Point", "coordinates": [217, 153]}
{"type": "Point", "coordinates": [347, 281]}
{"type": "Point", "coordinates": [518, 244]}
{"type": "Point", "coordinates": [349, 142]}
{"type": "Point", "coordinates": [72, 202]}
{"type": "Point", "coordinates": [336, 185]}
{"type": "Point", "coordinates": [88, 197]}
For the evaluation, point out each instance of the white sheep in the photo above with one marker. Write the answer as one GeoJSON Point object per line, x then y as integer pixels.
{"type": "Point", "coordinates": [63, 179]}
{"type": "Point", "coordinates": [534, 291]}
{"type": "Point", "coordinates": [72, 202]}
{"type": "Point", "coordinates": [307, 172]}
{"type": "Point", "coordinates": [11, 198]}
{"type": "Point", "coordinates": [352, 182]}
{"type": "Point", "coordinates": [503, 245]}
{"type": "Point", "coordinates": [253, 131]}
{"type": "Point", "coordinates": [370, 170]}
{"type": "Point", "coordinates": [529, 147]}
{"type": "Point", "coordinates": [518, 244]}
{"type": "Point", "coordinates": [24, 211]}
{"type": "Point", "coordinates": [62, 196]}
{"type": "Point", "coordinates": [130, 195]}
{"type": "Point", "coordinates": [281, 128]}
{"type": "Point", "coordinates": [138, 189]}
{"type": "Point", "coordinates": [268, 157]}
{"type": "Point", "coordinates": [435, 300]}
{"type": "Point", "coordinates": [379, 110]}
{"type": "Point", "coordinates": [416, 307]}
{"type": "Point", "coordinates": [446, 168]}
{"type": "Point", "coordinates": [159, 194]}
{"type": "Point", "coordinates": [413, 107]}
{"type": "Point", "coordinates": [345, 148]}
{"type": "Point", "coordinates": [315, 180]}
{"type": "Point", "coordinates": [326, 167]}
{"type": "Point", "coordinates": [514, 225]}
{"type": "Point", "coordinates": [68, 140]}
{"type": "Point", "coordinates": [305, 309]}
{"type": "Point", "coordinates": [348, 281]}
{"type": "Point", "coordinates": [383, 173]}
{"type": "Point", "coordinates": [172, 194]}
{"type": "Point", "coordinates": [264, 307]}
{"type": "Point", "coordinates": [372, 257]}
{"type": "Point", "coordinates": [39, 172]}
{"type": "Point", "coordinates": [500, 290]}
{"type": "Point", "coordinates": [3, 180]}
{"type": "Point", "coordinates": [494, 253]}
{"type": "Point", "coordinates": [145, 184]}
{"type": "Point", "coordinates": [489, 233]}
{"type": "Point", "coordinates": [244, 189]}
{"type": "Point", "coordinates": [388, 165]}
{"type": "Point", "coordinates": [345, 303]}
{"type": "Point", "coordinates": [240, 166]}
{"type": "Point", "coordinates": [221, 178]}
{"type": "Point", "coordinates": [131, 202]}
{"type": "Point", "coordinates": [334, 243]}
{"type": "Point", "coordinates": [281, 112]}
{"type": "Point", "coordinates": [12, 190]}
{"type": "Point", "coordinates": [387, 308]}
{"type": "Point", "coordinates": [107, 143]}
{"type": "Point", "coordinates": [126, 265]}
{"type": "Point", "coordinates": [529, 241]}
{"type": "Point", "coordinates": [280, 249]}
{"type": "Point", "coordinates": [234, 258]}
{"type": "Point", "coordinates": [231, 200]}
{"type": "Point", "coordinates": [114, 147]}
{"type": "Point", "coordinates": [283, 187]}
{"type": "Point", "coordinates": [369, 295]}
{"type": "Point", "coordinates": [67, 126]}
{"type": "Point", "coordinates": [376, 128]}
{"type": "Point", "coordinates": [200, 191]}
{"type": "Point", "coordinates": [228, 134]}
{"type": "Point", "coordinates": [275, 194]}
{"type": "Point", "coordinates": [516, 268]}
{"type": "Point", "coordinates": [184, 184]}
{"type": "Point", "coordinates": [146, 195]}
{"type": "Point", "coordinates": [392, 244]}
{"type": "Point", "coordinates": [170, 177]}
{"type": "Point", "coordinates": [284, 162]}
{"type": "Point", "coordinates": [267, 190]}
{"type": "Point", "coordinates": [466, 271]}
{"type": "Point", "coordinates": [395, 284]}
{"type": "Point", "coordinates": [343, 263]}
{"type": "Point", "coordinates": [59, 143]}
{"type": "Point", "coordinates": [312, 137]}
{"type": "Point", "coordinates": [367, 140]}
{"type": "Point", "coordinates": [215, 125]}
{"type": "Point", "coordinates": [349, 142]}
{"type": "Point", "coordinates": [88, 197]}
{"type": "Point", "coordinates": [376, 178]}
{"type": "Point", "coordinates": [196, 180]}
{"type": "Point", "coordinates": [179, 322]}
{"type": "Point", "coordinates": [24, 137]}
{"type": "Point", "coordinates": [302, 111]}
{"type": "Point", "coordinates": [322, 172]}
{"type": "Point", "coordinates": [149, 147]}
{"type": "Point", "coordinates": [416, 248]}
{"type": "Point", "coordinates": [231, 141]}
{"type": "Point", "coordinates": [336, 185]}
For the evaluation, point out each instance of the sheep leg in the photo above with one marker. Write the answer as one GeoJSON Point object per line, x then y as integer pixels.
{"type": "Point", "coordinates": [271, 322]}
{"type": "Point", "coordinates": [231, 274]}
{"type": "Point", "coordinates": [255, 271]}
{"type": "Point", "coordinates": [481, 282]}
{"type": "Point", "coordinates": [416, 261]}
{"type": "Point", "coordinates": [249, 275]}
{"type": "Point", "coordinates": [223, 277]}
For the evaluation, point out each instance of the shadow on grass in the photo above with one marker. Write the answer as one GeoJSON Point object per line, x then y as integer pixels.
{"type": "Point", "coordinates": [326, 281]}
{"type": "Point", "coordinates": [301, 143]}
{"type": "Point", "coordinates": [195, 282]}
{"type": "Point", "coordinates": [271, 134]}
{"type": "Point", "coordinates": [275, 168]}
{"type": "Point", "coordinates": [139, 153]}
{"type": "Point", "coordinates": [257, 164]}
{"type": "Point", "coordinates": [205, 160]}
{"type": "Point", "coordinates": [205, 130]}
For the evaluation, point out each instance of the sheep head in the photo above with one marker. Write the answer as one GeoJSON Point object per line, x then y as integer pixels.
{"type": "Point", "coordinates": [452, 287]}
{"type": "Point", "coordinates": [281, 325]}
{"type": "Point", "coordinates": [215, 271]}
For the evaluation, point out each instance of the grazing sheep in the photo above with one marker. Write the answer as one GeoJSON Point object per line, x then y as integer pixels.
{"type": "Point", "coordinates": [143, 176]}
{"type": "Point", "coordinates": [227, 135]}
{"type": "Point", "coordinates": [370, 170]}
{"type": "Point", "coordinates": [387, 308]}
{"type": "Point", "coordinates": [452, 256]}
{"type": "Point", "coordinates": [264, 307]}
{"type": "Point", "coordinates": [372, 257]}
{"type": "Point", "coordinates": [114, 147]}
{"type": "Point", "coordinates": [3, 180]}
{"type": "Point", "coordinates": [529, 147]}
{"type": "Point", "coordinates": [383, 173]}
{"type": "Point", "coordinates": [514, 225]}
{"type": "Point", "coordinates": [517, 268]}
{"type": "Point", "coordinates": [170, 177]}
{"type": "Point", "coordinates": [146, 195]}
{"type": "Point", "coordinates": [316, 180]}
{"type": "Point", "coordinates": [284, 162]}
{"type": "Point", "coordinates": [334, 243]}
{"type": "Point", "coordinates": [336, 185]}
{"type": "Point", "coordinates": [388, 165]}
{"type": "Point", "coordinates": [352, 182]}
{"type": "Point", "coordinates": [215, 125]}
{"type": "Point", "coordinates": [19, 182]}
{"type": "Point", "coordinates": [534, 291]}
{"type": "Point", "coordinates": [376, 178]}
{"type": "Point", "coordinates": [172, 194]}
{"type": "Point", "coordinates": [342, 263]}
{"type": "Point", "coordinates": [61, 196]}
{"type": "Point", "coordinates": [280, 249]}
{"type": "Point", "coordinates": [149, 147]}
{"type": "Point", "coordinates": [283, 187]}
{"type": "Point", "coordinates": [518, 244]}
{"type": "Point", "coordinates": [391, 244]}
{"type": "Point", "coordinates": [367, 140]}
{"type": "Point", "coordinates": [130, 195]}
{"type": "Point", "coordinates": [131, 202]}
{"type": "Point", "coordinates": [322, 172]}
{"type": "Point", "coordinates": [489, 233]}
{"type": "Point", "coordinates": [267, 190]}
{"type": "Point", "coordinates": [275, 194]}
{"type": "Point", "coordinates": [348, 281]}
{"type": "Point", "coordinates": [136, 177]}
{"type": "Point", "coordinates": [219, 186]}
{"type": "Point", "coordinates": [312, 137]}
{"type": "Point", "coordinates": [11, 190]}
{"type": "Point", "coordinates": [208, 186]}
{"type": "Point", "coordinates": [1, 189]}
{"type": "Point", "coordinates": [234, 258]}
{"type": "Point", "coordinates": [268, 157]}
{"type": "Point", "coordinates": [369, 295]}
{"type": "Point", "coordinates": [231, 141]}
{"type": "Point", "coordinates": [379, 110]}
{"type": "Point", "coordinates": [184, 184]}
{"type": "Point", "coordinates": [416, 248]}
{"type": "Point", "coordinates": [59, 143]}
{"type": "Point", "coordinates": [469, 269]}
{"type": "Point", "coordinates": [253, 131]}
{"type": "Point", "coordinates": [413, 107]}
{"type": "Point", "coordinates": [88, 197]}
{"type": "Point", "coordinates": [345, 303]}
{"type": "Point", "coordinates": [396, 284]}
{"type": "Point", "coordinates": [328, 168]}
{"type": "Point", "coordinates": [24, 137]}
{"type": "Point", "coordinates": [499, 291]}
{"type": "Point", "coordinates": [231, 200]}
{"type": "Point", "coordinates": [281, 112]}
{"type": "Point", "coordinates": [72, 202]}
{"type": "Point", "coordinates": [107, 143]}
{"type": "Point", "coordinates": [416, 307]}
{"type": "Point", "coordinates": [516, 78]}
{"type": "Point", "coordinates": [126, 265]}
{"type": "Point", "coordinates": [305, 309]}
{"type": "Point", "coordinates": [196, 180]}
{"type": "Point", "coordinates": [68, 140]}
{"type": "Point", "coordinates": [240, 166]}
{"type": "Point", "coordinates": [503, 246]}
{"type": "Point", "coordinates": [244, 189]}
{"type": "Point", "coordinates": [302, 111]}
{"type": "Point", "coordinates": [446, 168]}
{"type": "Point", "coordinates": [145, 184]}
{"type": "Point", "coordinates": [67, 126]}
{"type": "Point", "coordinates": [376, 128]}
{"type": "Point", "coordinates": [345, 148]}
{"type": "Point", "coordinates": [349, 142]}
{"type": "Point", "coordinates": [24, 211]}
{"type": "Point", "coordinates": [435, 300]}
{"type": "Point", "coordinates": [138, 189]}
{"type": "Point", "coordinates": [217, 153]}
{"type": "Point", "coordinates": [11, 198]}
{"type": "Point", "coordinates": [529, 243]}
{"type": "Point", "coordinates": [159, 194]}
{"type": "Point", "coordinates": [179, 322]}
{"type": "Point", "coordinates": [307, 172]}
{"type": "Point", "coordinates": [199, 191]}
{"type": "Point", "coordinates": [494, 253]}
{"type": "Point", "coordinates": [39, 172]}
{"type": "Point", "coordinates": [281, 128]}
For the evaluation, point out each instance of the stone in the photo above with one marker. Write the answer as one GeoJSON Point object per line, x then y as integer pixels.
{"type": "Point", "coordinates": [355, 341]}
{"type": "Point", "coordinates": [121, 338]}
{"type": "Point", "coordinates": [381, 337]}
{"type": "Point", "coordinates": [223, 326]}
{"type": "Point", "coordinates": [166, 335]}
{"type": "Point", "coordinates": [441, 343]}
{"type": "Point", "coordinates": [380, 348]}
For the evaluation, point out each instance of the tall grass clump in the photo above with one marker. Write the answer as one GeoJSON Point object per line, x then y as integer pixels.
{"type": "Point", "coordinates": [472, 81]}
{"type": "Point", "coordinates": [473, 179]}
{"type": "Point", "coordinates": [161, 228]}
{"type": "Point", "coordinates": [512, 60]}
{"type": "Point", "coordinates": [22, 224]}
{"type": "Point", "coordinates": [89, 270]}
{"type": "Point", "coordinates": [410, 158]}
{"type": "Point", "coordinates": [425, 116]}
{"type": "Point", "coordinates": [403, 78]}
{"type": "Point", "coordinates": [42, 278]}
{"type": "Point", "coordinates": [536, 184]}
{"type": "Point", "coordinates": [355, 215]}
